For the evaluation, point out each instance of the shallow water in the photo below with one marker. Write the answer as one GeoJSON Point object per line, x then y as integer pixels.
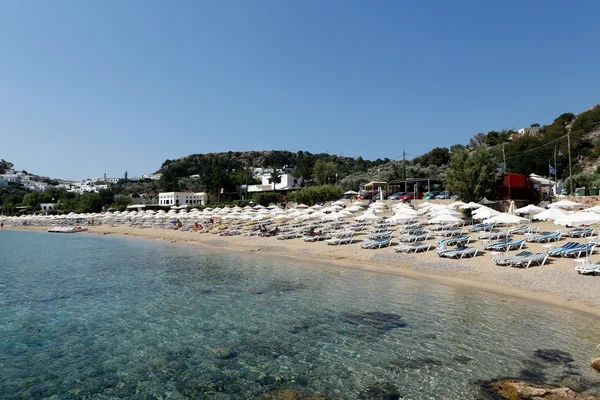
{"type": "Point", "coordinates": [107, 317]}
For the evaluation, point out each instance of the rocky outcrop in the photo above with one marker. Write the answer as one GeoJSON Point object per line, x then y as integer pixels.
{"type": "Point", "coordinates": [514, 389]}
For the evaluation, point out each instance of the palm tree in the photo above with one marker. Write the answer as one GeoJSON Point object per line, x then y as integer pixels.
{"type": "Point", "coordinates": [275, 177]}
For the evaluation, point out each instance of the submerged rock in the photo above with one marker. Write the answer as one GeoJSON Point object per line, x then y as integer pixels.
{"type": "Point", "coordinates": [289, 394]}
{"type": "Point", "coordinates": [375, 320]}
{"type": "Point", "coordinates": [224, 353]}
{"type": "Point", "coordinates": [554, 356]}
{"type": "Point", "coordinates": [514, 389]}
{"type": "Point", "coordinates": [381, 391]}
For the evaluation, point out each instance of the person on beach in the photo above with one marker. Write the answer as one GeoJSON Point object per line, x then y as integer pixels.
{"type": "Point", "coordinates": [1, 225]}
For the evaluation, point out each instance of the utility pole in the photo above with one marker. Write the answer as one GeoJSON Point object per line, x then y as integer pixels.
{"type": "Point", "coordinates": [404, 168]}
{"type": "Point", "coordinates": [570, 168]}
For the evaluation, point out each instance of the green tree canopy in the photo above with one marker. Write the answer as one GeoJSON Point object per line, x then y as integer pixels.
{"type": "Point", "coordinates": [471, 175]}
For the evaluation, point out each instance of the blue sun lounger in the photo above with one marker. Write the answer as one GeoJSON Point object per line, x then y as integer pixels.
{"type": "Point", "coordinates": [377, 244]}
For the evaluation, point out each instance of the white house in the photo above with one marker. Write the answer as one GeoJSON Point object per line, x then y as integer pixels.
{"type": "Point", "coordinates": [288, 181]}
{"type": "Point", "coordinates": [528, 131]}
{"type": "Point", "coordinates": [154, 177]}
{"type": "Point", "coordinates": [37, 186]}
{"type": "Point", "coordinates": [182, 199]}
{"type": "Point", "coordinates": [48, 206]}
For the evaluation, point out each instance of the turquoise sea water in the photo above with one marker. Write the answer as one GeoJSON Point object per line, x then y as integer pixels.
{"type": "Point", "coordinates": [85, 316]}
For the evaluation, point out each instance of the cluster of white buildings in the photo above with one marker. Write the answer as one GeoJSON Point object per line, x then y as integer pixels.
{"type": "Point", "coordinates": [24, 179]}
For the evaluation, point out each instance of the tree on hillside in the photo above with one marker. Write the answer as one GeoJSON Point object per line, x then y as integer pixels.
{"type": "Point", "coordinates": [471, 175]}
{"type": "Point", "coordinates": [535, 125]}
{"type": "Point", "coordinates": [5, 165]}
{"type": "Point", "coordinates": [324, 172]}
{"type": "Point", "coordinates": [478, 140]}
{"type": "Point", "coordinates": [438, 156]}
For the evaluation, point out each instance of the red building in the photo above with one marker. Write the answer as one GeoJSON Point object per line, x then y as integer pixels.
{"type": "Point", "coordinates": [515, 187]}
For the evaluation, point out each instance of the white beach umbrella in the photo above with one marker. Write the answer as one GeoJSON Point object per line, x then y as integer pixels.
{"type": "Point", "coordinates": [595, 209]}
{"type": "Point", "coordinates": [565, 204]}
{"type": "Point", "coordinates": [529, 210]}
{"type": "Point", "coordinates": [445, 219]}
{"type": "Point", "coordinates": [457, 204]}
{"type": "Point", "coordinates": [445, 211]}
{"type": "Point", "coordinates": [470, 205]}
{"type": "Point", "coordinates": [551, 214]}
{"type": "Point", "coordinates": [578, 218]}
{"type": "Point", "coordinates": [401, 217]}
{"type": "Point", "coordinates": [301, 206]}
{"type": "Point", "coordinates": [339, 203]}
{"type": "Point", "coordinates": [506, 218]}
{"type": "Point", "coordinates": [484, 212]}
{"type": "Point", "coordinates": [367, 216]}
{"type": "Point", "coordinates": [354, 209]}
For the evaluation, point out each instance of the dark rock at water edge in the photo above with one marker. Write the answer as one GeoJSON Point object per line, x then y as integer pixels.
{"type": "Point", "coordinates": [596, 364]}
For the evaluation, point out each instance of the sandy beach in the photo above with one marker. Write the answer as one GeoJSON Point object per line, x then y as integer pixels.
{"type": "Point", "coordinates": [556, 283]}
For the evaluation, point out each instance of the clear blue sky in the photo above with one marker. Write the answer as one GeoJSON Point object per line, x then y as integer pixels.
{"type": "Point", "coordinates": [93, 87]}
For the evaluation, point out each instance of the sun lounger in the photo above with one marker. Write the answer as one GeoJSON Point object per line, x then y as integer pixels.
{"type": "Point", "coordinates": [340, 240]}
{"type": "Point", "coordinates": [413, 247]}
{"type": "Point", "coordinates": [450, 232]}
{"type": "Point", "coordinates": [506, 260]}
{"type": "Point", "coordinates": [377, 244]}
{"type": "Point", "coordinates": [545, 237]}
{"type": "Point", "coordinates": [457, 240]}
{"type": "Point", "coordinates": [589, 269]}
{"type": "Point", "coordinates": [578, 251]}
{"type": "Point", "coordinates": [580, 232]}
{"type": "Point", "coordinates": [556, 252]}
{"type": "Point", "coordinates": [523, 229]}
{"type": "Point", "coordinates": [414, 238]}
{"type": "Point", "coordinates": [316, 238]}
{"type": "Point", "coordinates": [526, 262]}
{"type": "Point", "coordinates": [481, 227]}
{"type": "Point", "coordinates": [380, 235]}
{"type": "Point", "coordinates": [515, 244]}
{"type": "Point", "coordinates": [493, 235]}
{"type": "Point", "coordinates": [460, 252]}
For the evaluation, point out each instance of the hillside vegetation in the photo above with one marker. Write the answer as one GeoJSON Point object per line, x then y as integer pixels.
{"type": "Point", "coordinates": [467, 169]}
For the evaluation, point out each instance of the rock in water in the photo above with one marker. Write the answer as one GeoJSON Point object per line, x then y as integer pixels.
{"type": "Point", "coordinates": [289, 394]}
{"type": "Point", "coordinates": [513, 389]}
{"type": "Point", "coordinates": [596, 363]}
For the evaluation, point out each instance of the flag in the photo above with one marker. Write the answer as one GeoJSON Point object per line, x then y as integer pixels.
{"type": "Point", "coordinates": [552, 170]}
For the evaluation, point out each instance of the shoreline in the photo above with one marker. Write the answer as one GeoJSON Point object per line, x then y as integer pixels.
{"type": "Point", "coordinates": [477, 273]}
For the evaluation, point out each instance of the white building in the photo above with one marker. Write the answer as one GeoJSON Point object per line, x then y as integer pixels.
{"type": "Point", "coordinates": [528, 131]}
{"type": "Point", "coordinates": [287, 181]}
{"type": "Point", "coordinates": [48, 206]}
{"type": "Point", "coordinates": [154, 177]}
{"type": "Point", "coordinates": [182, 199]}
{"type": "Point", "coordinates": [36, 186]}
